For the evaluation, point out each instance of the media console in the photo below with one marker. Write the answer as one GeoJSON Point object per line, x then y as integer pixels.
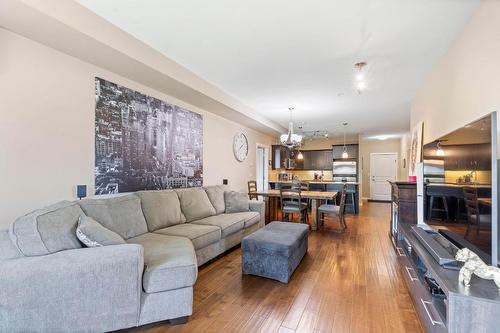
{"type": "Point", "coordinates": [442, 303]}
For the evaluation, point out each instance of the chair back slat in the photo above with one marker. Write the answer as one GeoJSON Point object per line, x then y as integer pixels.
{"type": "Point", "coordinates": [342, 199]}
{"type": "Point", "coordinates": [290, 197]}
{"type": "Point", "coordinates": [252, 189]}
{"type": "Point", "coordinates": [470, 198]}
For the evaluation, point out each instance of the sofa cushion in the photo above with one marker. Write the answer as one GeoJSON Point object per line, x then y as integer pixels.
{"type": "Point", "coordinates": [122, 215]}
{"type": "Point", "coordinates": [250, 218]}
{"type": "Point", "coordinates": [236, 202]}
{"type": "Point", "coordinates": [195, 203]}
{"type": "Point", "coordinates": [170, 262]}
{"type": "Point", "coordinates": [161, 208]}
{"type": "Point", "coordinates": [228, 223]}
{"type": "Point", "coordinates": [7, 249]}
{"type": "Point", "coordinates": [47, 230]}
{"type": "Point", "coordinates": [93, 234]}
{"type": "Point", "coordinates": [216, 196]}
{"type": "Point", "coordinates": [200, 235]}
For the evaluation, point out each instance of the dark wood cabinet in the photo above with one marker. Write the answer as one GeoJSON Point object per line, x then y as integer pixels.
{"type": "Point", "coordinates": [404, 202]}
{"type": "Point", "coordinates": [276, 156]}
{"type": "Point", "coordinates": [467, 157]}
{"type": "Point", "coordinates": [316, 160]}
{"type": "Point", "coordinates": [282, 157]}
{"type": "Point", "coordinates": [352, 151]}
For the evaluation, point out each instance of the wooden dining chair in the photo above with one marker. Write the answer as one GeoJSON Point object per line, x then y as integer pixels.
{"type": "Point", "coordinates": [328, 212]}
{"type": "Point", "coordinates": [252, 190]}
{"type": "Point", "coordinates": [474, 216]}
{"type": "Point", "coordinates": [304, 186]}
{"type": "Point", "coordinates": [291, 203]}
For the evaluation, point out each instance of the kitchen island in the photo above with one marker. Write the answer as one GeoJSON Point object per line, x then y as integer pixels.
{"type": "Point", "coordinates": [453, 194]}
{"type": "Point", "coordinates": [352, 199]}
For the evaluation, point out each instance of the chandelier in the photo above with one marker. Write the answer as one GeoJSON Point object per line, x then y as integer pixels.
{"type": "Point", "coordinates": [290, 139]}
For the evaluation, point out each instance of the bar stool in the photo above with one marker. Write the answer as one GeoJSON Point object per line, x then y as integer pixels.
{"type": "Point", "coordinates": [350, 194]}
{"type": "Point", "coordinates": [433, 209]}
{"type": "Point", "coordinates": [327, 212]}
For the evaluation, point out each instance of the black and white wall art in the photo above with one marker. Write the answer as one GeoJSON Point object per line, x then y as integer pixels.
{"type": "Point", "coordinates": [143, 143]}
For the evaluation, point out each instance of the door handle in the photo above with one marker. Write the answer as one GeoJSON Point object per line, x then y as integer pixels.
{"type": "Point", "coordinates": [433, 321]}
{"type": "Point", "coordinates": [409, 274]}
{"type": "Point", "coordinates": [401, 252]}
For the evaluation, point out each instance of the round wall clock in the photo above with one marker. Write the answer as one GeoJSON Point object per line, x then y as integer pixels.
{"type": "Point", "coordinates": [240, 147]}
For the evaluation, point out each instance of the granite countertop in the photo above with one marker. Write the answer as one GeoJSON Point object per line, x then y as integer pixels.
{"type": "Point", "coordinates": [459, 185]}
{"type": "Point", "coordinates": [315, 182]}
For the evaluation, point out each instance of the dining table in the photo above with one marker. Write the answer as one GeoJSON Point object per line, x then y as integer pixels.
{"type": "Point", "coordinates": [271, 198]}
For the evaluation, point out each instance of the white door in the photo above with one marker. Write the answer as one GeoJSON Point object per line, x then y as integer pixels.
{"type": "Point", "coordinates": [383, 168]}
{"type": "Point", "coordinates": [262, 167]}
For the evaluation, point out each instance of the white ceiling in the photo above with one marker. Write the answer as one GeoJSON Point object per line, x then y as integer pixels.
{"type": "Point", "coordinates": [272, 54]}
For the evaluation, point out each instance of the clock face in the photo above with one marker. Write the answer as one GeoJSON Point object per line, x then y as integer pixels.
{"type": "Point", "coordinates": [240, 147]}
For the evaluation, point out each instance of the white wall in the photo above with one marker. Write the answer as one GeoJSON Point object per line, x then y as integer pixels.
{"type": "Point", "coordinates": [47, 128]}
{"type": "Point", "coordinates": [403, 156]}
{"type": "Point", "coordinates": [368, 146]}
{"type": "Point", "coordinates": [464, 85]}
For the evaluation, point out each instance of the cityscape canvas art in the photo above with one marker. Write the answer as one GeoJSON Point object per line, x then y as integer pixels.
{"type": "Point", "coordinates": [143, 143]}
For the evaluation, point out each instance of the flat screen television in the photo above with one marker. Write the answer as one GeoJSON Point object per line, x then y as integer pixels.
{"type": "Point", "coordinates": [460, 187]}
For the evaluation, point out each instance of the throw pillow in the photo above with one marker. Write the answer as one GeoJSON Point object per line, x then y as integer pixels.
{"type": "Point", "coordinates": [236, 202]}
{"type": "Point", "coordinates": [93, 234]}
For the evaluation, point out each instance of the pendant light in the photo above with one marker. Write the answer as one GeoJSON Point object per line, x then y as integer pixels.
{"type": "Point", "coordinates": [290, 139]}
{"type": "Point", "coordinates": [344, 153]}
{"type": "Point", "coordinates": [300, 156]}
{"type": "Point", "coordinates": [439, 151]}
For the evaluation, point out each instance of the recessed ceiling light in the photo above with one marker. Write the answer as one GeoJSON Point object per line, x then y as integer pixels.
{"type": "Point", "coordinates": [360, 77]}
{"type": "Point", "coordinates": [361, 86]}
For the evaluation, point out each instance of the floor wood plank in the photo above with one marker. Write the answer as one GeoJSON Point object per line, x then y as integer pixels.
{"type": "Point", "coordinates": [347, 282]}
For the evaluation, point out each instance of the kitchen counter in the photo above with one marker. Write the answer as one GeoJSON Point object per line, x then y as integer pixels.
{"type": "Point", "coordinates": [313, 182]}
{"type": "Point", "coordinates": [352, 200]}
{"type": "Point", "coordinates": [458, 185]}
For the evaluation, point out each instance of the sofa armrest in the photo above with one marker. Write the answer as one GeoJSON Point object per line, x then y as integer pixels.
{"type": "Point", "coordinates": [90, 289]}
{"type": "Point", "coordinates": [259, 206]}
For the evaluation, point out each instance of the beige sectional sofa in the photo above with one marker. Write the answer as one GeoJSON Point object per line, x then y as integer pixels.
{"type": "Point", "coordinates": [50, 283]}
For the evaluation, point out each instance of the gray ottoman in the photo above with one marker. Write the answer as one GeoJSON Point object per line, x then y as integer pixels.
{"type": "Point", "coordinates": [274, 251]}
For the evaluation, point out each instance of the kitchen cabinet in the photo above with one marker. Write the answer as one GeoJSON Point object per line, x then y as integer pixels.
{"type": "Point", "coordinates": [317, 160]}
{"type": "Point", "coordinates": [285, 158]}
{"type": "Point", "coordinates": [278, 157]}
{"type": "Point", "coordinates": [312, 159]}
{"type": "Point", "coordinates": [352, 151]}
{"type": "Point", "coordinates": [467, 157]}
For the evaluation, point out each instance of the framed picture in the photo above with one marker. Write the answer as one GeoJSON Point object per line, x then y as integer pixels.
{"type": "Point", "coordinates": [143, 143]}
{"type": "Point", "coordinates": [415, 148]}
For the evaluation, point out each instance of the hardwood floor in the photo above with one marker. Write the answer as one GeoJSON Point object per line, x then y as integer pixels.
{"type": "Point", "coordinates": [346, 283]}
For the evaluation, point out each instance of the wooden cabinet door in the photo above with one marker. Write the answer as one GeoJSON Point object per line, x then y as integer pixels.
{"type": "Point", "coordinates": [276, 160]}
{"type": "Point", "coordinates": [299, 164]}
{"type": "Point", "coordinates": [307, 162]}
{"type": "Point", "coordinates": [352, 151]}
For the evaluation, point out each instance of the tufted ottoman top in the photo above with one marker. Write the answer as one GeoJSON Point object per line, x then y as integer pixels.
{"type": "Point", "coordinates": [280, 238]}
